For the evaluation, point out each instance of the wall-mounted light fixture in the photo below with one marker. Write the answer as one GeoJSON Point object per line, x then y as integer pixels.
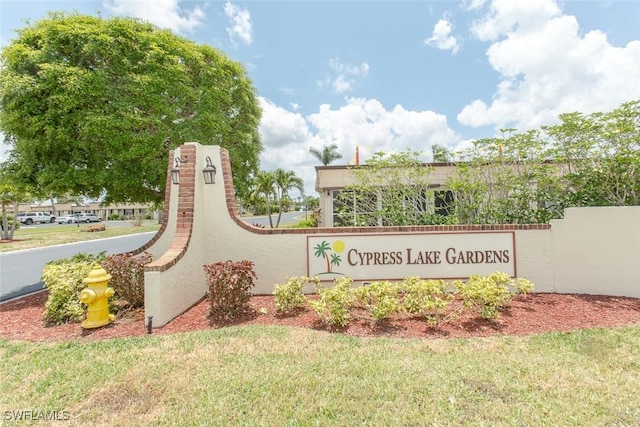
{"type": "Point", "coordinates": [175, 172]}
{"type": "Point", "coordinates": [209, 172]}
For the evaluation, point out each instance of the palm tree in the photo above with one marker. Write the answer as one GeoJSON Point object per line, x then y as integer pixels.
{"type": "Point", "coordinates": [264, 184]}
{"type": "Point", "coordinates": [321, 251]}
{"type": "Point", "coordinates": [284, 182]}
{"type": "Point", "coordinates": [335, 259]}
{"type": "Point", "coordinates": [327, 154]}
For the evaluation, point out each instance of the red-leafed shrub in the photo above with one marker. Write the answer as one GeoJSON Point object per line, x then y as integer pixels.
{"type": "Point", "coordinates": [127, 277]}
{"type": "Point", "coordinates": [230, 286]}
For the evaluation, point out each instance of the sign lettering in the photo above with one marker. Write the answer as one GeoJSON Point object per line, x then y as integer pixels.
{"type": "Point", "coordinates": [396, 256]}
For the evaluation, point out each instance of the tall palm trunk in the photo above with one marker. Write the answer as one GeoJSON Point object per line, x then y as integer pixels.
{"type": "Point", "coordinates": [268, 210]}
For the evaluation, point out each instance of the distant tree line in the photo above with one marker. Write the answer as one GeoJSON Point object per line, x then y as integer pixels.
{"type": "Point", "coordinates": [515, 178]}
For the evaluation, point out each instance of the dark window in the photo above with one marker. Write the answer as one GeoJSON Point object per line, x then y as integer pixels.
{"type": "Point", "coordinates": [443, 202]}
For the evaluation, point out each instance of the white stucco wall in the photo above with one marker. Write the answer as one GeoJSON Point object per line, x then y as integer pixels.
{"type": "Point", "coordinates": [593, 250]}
{"type": "Point", "coordinates": [597, 251]}
{"type": "Point", "coordinates": [535, 258]}
{"type": "Point", "coordinates": [276, 257]}
{"type": "Point", "coordinates": [170, 292]}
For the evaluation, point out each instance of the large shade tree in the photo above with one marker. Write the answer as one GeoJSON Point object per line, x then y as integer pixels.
{"type": "Point", "coordinates": [601, 152]}
{"type": "Point", "coordinates": [585, 160]}
{"type": "Point", "coordinates": [93, 106]}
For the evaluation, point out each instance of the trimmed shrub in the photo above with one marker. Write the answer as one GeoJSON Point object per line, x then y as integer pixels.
{"type": "Point", "coordinates": [380, 298]}
{"type": "Point", "coordinates": [311, 222]}
{"type": "Point", "coordinates": [127, 277]}
{"type": "Point", "coordinates": [428, 298]}
{"type": "Point", "coordinates": [289, 297]}
{"type": "Point", "coordinates": [333, 304]}
{"type": "Point", "coordinates": [488, 295]}
{"type": "Point", "coordinates": [63, 278]}
{"type": "Point", "coordinates": [523, 286]}
{"type": "Point", "coordinates": [230, 285]}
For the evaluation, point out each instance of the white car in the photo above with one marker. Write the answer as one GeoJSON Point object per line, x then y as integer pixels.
{"type": "Point", "coordinates": [88, 217]}
{"type": "Point", "coordinates": [79, 217]}
{"type": "Point", "coordinates": [69, 219]}
{"type": "Point", "coordinates": [29, 218]}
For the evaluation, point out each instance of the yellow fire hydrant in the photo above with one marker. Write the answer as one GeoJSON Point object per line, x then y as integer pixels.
{"type": "Point", "coordinates": [96, 297]}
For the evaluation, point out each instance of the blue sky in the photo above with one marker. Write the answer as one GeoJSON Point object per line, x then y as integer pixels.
{"type": "Point", "coordinates": [392, 75]}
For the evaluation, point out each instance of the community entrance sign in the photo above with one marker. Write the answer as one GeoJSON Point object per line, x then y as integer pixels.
{"type": "Point", "coordinates": [396, 256]}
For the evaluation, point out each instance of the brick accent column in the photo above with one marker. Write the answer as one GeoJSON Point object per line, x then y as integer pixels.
{"type": "Point", "coordinates": [184, 225]}
{"type": "Point", "coordinates": [165, 211]}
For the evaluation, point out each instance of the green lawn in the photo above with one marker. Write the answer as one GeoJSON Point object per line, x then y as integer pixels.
{"type": "Point", "coordinates": [283, 376]}
{"type": "Point", "coordinates": [35, 237]}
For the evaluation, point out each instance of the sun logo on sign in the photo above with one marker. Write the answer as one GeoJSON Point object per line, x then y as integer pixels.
{"type": "Point", "coordinates": [330, 253]}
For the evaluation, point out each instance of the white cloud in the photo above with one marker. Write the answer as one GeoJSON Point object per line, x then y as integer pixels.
{"type": "Point", "coordinates": [442, 38]}
{"type": "Point", "coordinates": [473, 4]}
{"type": "Point", "coordinates": [163, 13]}
{"type": "Point", "coordinates": [547, 67]}
{"type": "Point", "coordinates": [240, 27]}
{"type": "Point", "coordinates": [344, 77]}
{"type": "Point", "coordinates": [286, 139]}
{"type": "Point", "coordinates": [288, 136]}
{"type": "Point", "coordinates": [506, 16]}
{"type": "Point", "coordinates": [281, 127]}
{"type": "Point", "coordinates": [366, 122]}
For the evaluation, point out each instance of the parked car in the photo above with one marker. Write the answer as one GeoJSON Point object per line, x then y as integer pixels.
{"type": "Point", "coordinates": [79, 217]}
{"type": "Point", "coordinates": [67, 219]}
{"type": "Point", "coordinates": [36, 217]}
{"type": "Point", "coordinates": [88, 217]}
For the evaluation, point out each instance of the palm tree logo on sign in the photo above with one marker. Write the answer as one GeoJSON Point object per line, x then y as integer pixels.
{"type": "Point", "coordinates": [331, 254]}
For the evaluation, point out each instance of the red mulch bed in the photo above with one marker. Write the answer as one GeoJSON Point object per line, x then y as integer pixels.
{"type": "Point", "coordinates": [22, 319]}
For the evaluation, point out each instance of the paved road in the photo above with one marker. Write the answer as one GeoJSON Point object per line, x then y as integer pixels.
{"type": "Point", "coordinates": [110, 224]}
{"type": "Point", "coordinates": [20, 271]}
{"type": "Point", "coordinates": [287, 218]}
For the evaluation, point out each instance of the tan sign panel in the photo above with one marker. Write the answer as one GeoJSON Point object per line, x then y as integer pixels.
{"type": "Point", "coordinates": [368, 257]}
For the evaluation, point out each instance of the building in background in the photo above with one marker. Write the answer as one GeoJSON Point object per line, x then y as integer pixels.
{"type": "Point", "coordinates": [331, 180]}
{"type": "Point", "coordinates": [106, 212]}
